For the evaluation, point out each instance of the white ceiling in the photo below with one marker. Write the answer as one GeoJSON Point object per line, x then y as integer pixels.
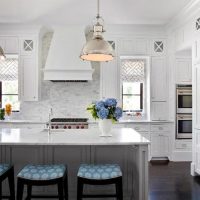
{"type": "Point", "coordinates": [82, 11]}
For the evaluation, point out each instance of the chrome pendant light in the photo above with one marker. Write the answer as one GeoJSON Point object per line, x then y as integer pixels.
{"type": "Point", "coordinates": [2, 55]}
{"type": "Point", "coordinates": [97, 49]}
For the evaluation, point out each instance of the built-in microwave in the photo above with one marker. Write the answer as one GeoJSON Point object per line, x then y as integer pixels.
{"type": "Point", "coordinates": [184, 99]}
{"type": "Point", "coordinates": [184, 126]}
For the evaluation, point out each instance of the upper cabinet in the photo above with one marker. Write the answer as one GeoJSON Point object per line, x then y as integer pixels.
{"type": "Point", "coordinates": [184, 36]}
{"type": "Point", "coordinates": [158, 79]}
{"type": "Point", "coordinates": [10, 45]}
{"type": "Point", "coordinates": [134, 46]}
{"type": "Point", "coordinates": [196, 52]}
{"type": "Point", "coordinates": [29, 66]}
{"type": "Point", "coordinates": [183, 68]}
{"type": "Point", "coordinates": [109, 80]}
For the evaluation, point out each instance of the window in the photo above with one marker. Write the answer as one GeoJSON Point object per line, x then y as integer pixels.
{"type": "Point", "coordinates": [132, 81]}
{"type": "Point", "coordinates": [9, 82]}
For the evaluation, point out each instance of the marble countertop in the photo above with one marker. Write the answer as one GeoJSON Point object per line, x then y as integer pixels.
{"type": "Point", "coordinates": [90, 121]}
{"type": "Point", "coordinates": [121, 121]}
{"type": "Point", "coordinates": [22, 121]}
{"type": "Point", "coordinates": [120, 136]}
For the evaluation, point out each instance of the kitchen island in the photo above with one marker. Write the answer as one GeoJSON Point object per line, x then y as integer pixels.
{"type": "Point", "coordinates": [72, 147]}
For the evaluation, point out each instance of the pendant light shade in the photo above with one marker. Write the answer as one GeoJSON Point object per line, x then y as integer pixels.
{"type": "Point", "coordinates": [97, 49]}
{"type": "Point", "coordinates": [2, 55]}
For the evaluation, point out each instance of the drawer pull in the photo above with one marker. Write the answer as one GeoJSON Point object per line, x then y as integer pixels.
{"type": "Point", "coordinates": [160, 128]}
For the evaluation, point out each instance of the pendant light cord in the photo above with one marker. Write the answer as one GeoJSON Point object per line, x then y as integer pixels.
{"type": "Point", "coordinates": [98, 8]}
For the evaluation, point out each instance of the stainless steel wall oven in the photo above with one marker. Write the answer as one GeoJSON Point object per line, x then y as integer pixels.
{"type": "Point", "coordinates": [184, 99]}
{"type": "Point", "coordinates": [184, 126]}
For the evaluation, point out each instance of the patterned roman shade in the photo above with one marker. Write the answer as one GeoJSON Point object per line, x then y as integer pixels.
{"type": "Point", "coordinates": [132, 70]}
{"type": "Point", "coordinates": [9, 69]}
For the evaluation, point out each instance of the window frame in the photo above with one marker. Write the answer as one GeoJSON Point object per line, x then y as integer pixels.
{"type": "Point", "coordinates": [146, 83]}
{"type": "Point", "coordinates": [17, 94]}
{"type": "Point", "coordinates": [141, 98]}
{"type": "Point", "coordinates": [1, 95]}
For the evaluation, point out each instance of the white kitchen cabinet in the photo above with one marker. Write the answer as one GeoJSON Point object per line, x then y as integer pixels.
{"type": "Point", "coordinates": [134, 46]}
{"type": "Point", "coordinates": [196, 52]}
{"type": "Point", "coordinates": [109, 80]}
{"type": "Point", "coordinates": [179, 38]}
{"type": "Point", "coordinates": [160, 141]}
{"type": "Point", "coordinates": [197, 150]}
{"type": "Point", "coordinates": [158, 79]}
{"type": "Point", "coordinates": [10, 44]}
{"type": "Point", "coordinates": [142, 128]}
{"type": "Point", "coordinates": [159, 111]}
{"type": "Point", "coordinates": [29, 79]}
{"type": "Point", "coordinates": [195, 167]}
{"type": "Point", "coordinates": [29, 68]}
{"type": "Point", "coordinates": [183, 70]}
{"type": "Point", "coordinates": [155, 145]}
{"type": "Point", "coordinates": [196, 96]}
{"type": "Point", "coordinates": [183, 145]}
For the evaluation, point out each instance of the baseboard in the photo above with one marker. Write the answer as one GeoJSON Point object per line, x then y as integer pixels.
{"type": "Point", "coordinates": [179, 156]}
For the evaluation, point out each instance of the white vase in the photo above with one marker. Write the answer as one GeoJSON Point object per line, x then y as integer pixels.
{"type": "Point", "coordinates": [105, 126]}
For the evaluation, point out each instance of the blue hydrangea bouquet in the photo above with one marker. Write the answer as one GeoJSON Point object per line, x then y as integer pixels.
{"type": "Point", "coordinates": [105, 109]}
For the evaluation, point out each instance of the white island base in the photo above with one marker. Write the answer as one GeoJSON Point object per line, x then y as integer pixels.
{"type": "Point", "coordinates": [126, 147]}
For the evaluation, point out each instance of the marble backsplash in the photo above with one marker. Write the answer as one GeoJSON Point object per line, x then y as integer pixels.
{"type": "Point", "coordinates": [67, 99]}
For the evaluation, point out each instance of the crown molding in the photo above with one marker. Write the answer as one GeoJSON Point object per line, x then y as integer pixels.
{"type": "Point", "coordinates": [189, 12]}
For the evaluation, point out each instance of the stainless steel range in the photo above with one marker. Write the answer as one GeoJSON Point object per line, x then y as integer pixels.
{"type": "Point", "coordinates": [69, 123]}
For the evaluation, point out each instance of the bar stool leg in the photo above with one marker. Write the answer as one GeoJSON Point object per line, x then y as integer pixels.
{"type": "Point", "coordinates": [0, 190]}
{"type": "Point", "coordinates": [20, 189]}
{"type": "Point", "coordinates": [79, 189]}
{"type": "Point", "coordinates": [11, 182]}
{"type": "Point", "coordinates": [119, 189]}
{"type": "Point", "coordinates": [66, 187]}
{"type": "Point", "coordinates": [60, 190]}
{"type": "Point", "coordinates": [29, 192]}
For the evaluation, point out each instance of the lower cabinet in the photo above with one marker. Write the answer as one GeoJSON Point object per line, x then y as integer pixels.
{"type": "Point", "coordinates": [197, 150]}
{"type": "Point", "coordinates": [160, 144]}
{"type": "Point", "coordinates": [160, 136]}
{"type": "Point", "coordinates": [160, 141]}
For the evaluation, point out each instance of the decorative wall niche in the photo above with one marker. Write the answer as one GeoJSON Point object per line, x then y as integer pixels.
{"type": "Point", "coordinates": [112, 43]}
{"type": "Point", "coordinates": [198, 24]}
{"type": "Point", "coordinates": [158, 46]}
{"type": "Point", "coordinates": [28, 45]}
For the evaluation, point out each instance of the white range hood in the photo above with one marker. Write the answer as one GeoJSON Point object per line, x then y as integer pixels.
{"type": "Point", "coordinates": [63, 62]}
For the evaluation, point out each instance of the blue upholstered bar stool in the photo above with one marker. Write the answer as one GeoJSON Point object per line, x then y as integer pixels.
{"type": "Point", "coordinates": [104, 174]}
{"type": "Point", "coordinates": [42, 175]}
{"type": "Point", "coordinates": [7, 171]}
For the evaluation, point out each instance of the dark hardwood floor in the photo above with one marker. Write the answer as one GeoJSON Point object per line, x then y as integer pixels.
{"type": "Point", "coordinates": [173, 181]}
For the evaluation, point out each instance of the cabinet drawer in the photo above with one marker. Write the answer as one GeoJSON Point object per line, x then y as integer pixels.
{"type": "Point", "coordinates": [159, 128]}
{"type": "Point", "coordinates": [145, 135]}
{"type": "Point", "coordinates": [140, 127]}
{"type": "Point", "coordinates": [183, 145]}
